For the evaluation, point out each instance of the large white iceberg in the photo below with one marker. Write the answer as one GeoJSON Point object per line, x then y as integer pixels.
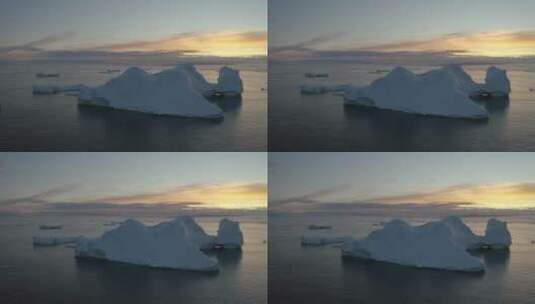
{"type": "Point", "coordinates": [175, 244]}
{"type": "Point", "coordinates": [170, 92]}
{"type": "Point", "coordinates": [447, 91]}
{"type": "Point", "coordinates": [229, 234]}
{"type": "Point", "coordinates": [442, 245]}
{"type": "Point", "coordinates": [180, 91]}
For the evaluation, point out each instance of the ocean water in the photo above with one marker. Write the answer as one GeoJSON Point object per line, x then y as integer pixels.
{"type": "Point", "coordinates": [31, 274]}
{"type": "Point", "coordinates": [322, 123]}
{"type": "Point", "coordinates": [320, 275]}
{"type": "Point", "coordinates": [57, 123]}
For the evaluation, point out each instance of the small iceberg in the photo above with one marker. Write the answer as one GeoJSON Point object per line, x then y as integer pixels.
{"type": "Point", "coordinates": [319, 227]}
{"type": "Point", "coordinates": [315, 89]}
{"type": "Point", "coordinates": [47, 75]}
{"type": "Point", "coordinates": [54, 240]}
{"type": "Point", "coordinates": [443, 244]}
{"type": "Point", "coordinates": [229, 235]}
{"type": "Point", "coordinates": [229, 83]}
{"type": "Point", "coordinates": [322, 240]}
{"type": "Point", "coordinates": [50, 226]}
{"type": "Point", "coordinates": [55, 89]}
{"type": "Point", "coordinates": [110, 71]}
{"type": "Point", "coordinates": [316, 75]}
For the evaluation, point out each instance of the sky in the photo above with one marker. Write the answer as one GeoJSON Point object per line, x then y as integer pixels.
{"type": "Point", "coordinates": [45, 182]}
{"type": "Point", "coordinates": [35, 29]}
{"type": "Point", "coordinates": [480, 28]}
{"type": "Point", "coordinates": [426, 182]}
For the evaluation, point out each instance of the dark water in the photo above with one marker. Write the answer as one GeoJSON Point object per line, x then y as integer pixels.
{"type": "Point", "coordinates": [52, 275]}
{"type": "Point", "coordinates": [57, 123]}
{"type": "Point", "coordinates": [322, 123]}
{"type": "Point", "coordinates": [320, 275]}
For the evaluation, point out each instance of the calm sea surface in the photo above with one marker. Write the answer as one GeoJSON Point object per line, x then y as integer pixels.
{"type": "Point", "coordinates": [322, 123]}
{"type": "Point", "coordinates": [56, 123]}
{"type": "Point", "coordinates": [42, 275]}
{"type": "Point", "coordinates": [320, 275]}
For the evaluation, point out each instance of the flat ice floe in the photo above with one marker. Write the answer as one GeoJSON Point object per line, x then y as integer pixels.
{"type": "Point", "coordinates": [442, 244]}
{"type": "Point", "coordinates": [180, 91]}
{"type": "Point", "coordinates": [175, 244]}
{"type": "Point", "coordinates": [322, 239]}
{"type": "Point", "coordinates": [54, 240]}
{"type": "Point", "coordinates": [447, 91]}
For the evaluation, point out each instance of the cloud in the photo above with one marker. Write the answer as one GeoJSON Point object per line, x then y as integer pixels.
{"type": "Point", "coordinates": [242, 196]}
{"type": "Point", "coordinates": [311, 198]}
{"type": "Point", "coordinates": [511, 198]}
{"type": "Point", "coordinates": [462, 48]}
{"type": "Point", "coordinates": [307, 44]}
{"type": "Point", "coordinates": [229, 44]}
{"type": "Point", "coordinates": [29, 49]}
{"type": "Point", "coordinates": [42, 197]}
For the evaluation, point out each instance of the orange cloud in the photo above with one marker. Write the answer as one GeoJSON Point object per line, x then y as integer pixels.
{"type": "Point", "coordinates": [498, 196]}
{"type": "Point", "coordinates": [221, 44]}
{"type": "Point", "coordinates": [225, 196]}
{"type": "Point", "coordinates": [489, 44]}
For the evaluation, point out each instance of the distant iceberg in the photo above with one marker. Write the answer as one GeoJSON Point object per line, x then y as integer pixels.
{"type": "Point", "coordinates": [54, 240]}
{"type": "Point", "coordinates": [175, 244]}
{"type": "Point", "coordinates": [442, 244]}
{"type": "Point", "coordinates": [322, 239]}
{"type": "Point", "coordinates": [314, 89]}
{"type": "Point", "coordinates": [180, 91]}
{"type": "Point", "coordinates": [316, 75]}
{"type": "Point", "coordinates": [447, 91]}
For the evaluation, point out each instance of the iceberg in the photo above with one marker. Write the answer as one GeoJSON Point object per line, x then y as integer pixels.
{"type": "Point", "coordinates": [321, 240]}
{"type": "Point", "coordinates": [316, 75]}
{"type": "Point", "coordinates": [497, 235]}
{"type": "Point", "coordinates": [170, 92]}
{"type": "Point", "coordinates": [47, 75]}
{"type": "Point", "coordinates": [55, 89]}
{"type": "Point", "coordinates": [54, 240]}
{"type": "Point", "coordinates": [50, 226]}
{"type": "Point", "coordinates": [229, 235]}
{"type": "Point", "coordinates": [229, 82]}
{"type": "Point", "coordinates": [174, 244]}
{"type": "Point", "coordinates": [319, 227]}
{"type": "Point", "coordinates": [315, 89]}
{"type": "Point", "coordinates": [443, 92]}
{"type": "Point", "coordinates": [442, 244]}
{"type": "Point", "coordinates": [180, 91]}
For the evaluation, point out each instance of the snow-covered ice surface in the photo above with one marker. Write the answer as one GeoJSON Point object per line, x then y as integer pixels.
{"type": "Point", "coordinates": [175, 244]}
{"type": "Point", "coordinates": [229, 234]}
{"type": "Point", "coordinates": [447, 91]}
{"type": "Point", "coordinates": [442, 244]}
